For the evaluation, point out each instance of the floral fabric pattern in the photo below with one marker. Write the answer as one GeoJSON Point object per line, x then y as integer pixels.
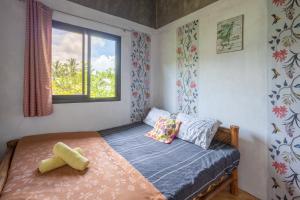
{"type": "Point", "coordinates": [187, 67]}
{"type": "Point", "coordinates": [140, 75]}
{"type": "Point", "coordinates": [165, 130]}
{"type": "Point", "coordinates": [284, 95]}
{"type": "Point", "coordinates": [109, 175]}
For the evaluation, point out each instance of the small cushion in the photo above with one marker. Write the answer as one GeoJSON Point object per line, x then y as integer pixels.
{"type": "Point", "coordinates": [198, 131]}
{"type": "Point", "coordinates": [154, 115]}
{"type": "Point", "coordinates": [165, 130]}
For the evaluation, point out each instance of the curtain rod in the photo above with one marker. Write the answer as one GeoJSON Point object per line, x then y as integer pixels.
{"type": "Point", "coordinates": [92, 20]}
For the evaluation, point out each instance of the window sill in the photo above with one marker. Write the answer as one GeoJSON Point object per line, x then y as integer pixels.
{"type": "Point", "coordinates": [63, 101]}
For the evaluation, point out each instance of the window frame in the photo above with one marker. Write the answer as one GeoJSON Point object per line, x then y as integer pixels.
{"type": "Point", "coordinates": [58, 99]}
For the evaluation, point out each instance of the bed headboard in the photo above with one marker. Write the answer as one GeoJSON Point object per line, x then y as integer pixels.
{"type": "Point", "coordinates": [228, 135]}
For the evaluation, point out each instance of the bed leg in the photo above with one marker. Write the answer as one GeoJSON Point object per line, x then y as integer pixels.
{"type": "Point", "coordinates": [234, 188]}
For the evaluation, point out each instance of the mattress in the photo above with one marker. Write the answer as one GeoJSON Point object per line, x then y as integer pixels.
{"type": "Point", "coordinates": [108, 177]}
{"type": "Point", "coordinates": [179, 170]}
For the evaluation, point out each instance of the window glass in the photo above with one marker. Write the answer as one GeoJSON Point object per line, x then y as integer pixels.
{"type": "Point", "coordinates": [85, 64]}
{"type": "Point", "coordinates": [103, 67]}
{"type": "Point", "coordinates": [66, 63]}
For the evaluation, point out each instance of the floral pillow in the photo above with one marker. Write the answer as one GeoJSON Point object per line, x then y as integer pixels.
{"type": "Point", "coordinates": [165, 130]}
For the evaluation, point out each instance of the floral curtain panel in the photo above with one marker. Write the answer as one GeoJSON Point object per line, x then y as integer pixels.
{"type": "Point", "coordinates": [284, 99]}
{"type": "Point", "coordinates": [140, 75]}
{"type": "Point", "coordinates": [187, 68]}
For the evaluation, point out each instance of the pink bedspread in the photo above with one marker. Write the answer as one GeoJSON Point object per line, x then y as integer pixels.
{"type": "Point", "coordinates": [109, 176]}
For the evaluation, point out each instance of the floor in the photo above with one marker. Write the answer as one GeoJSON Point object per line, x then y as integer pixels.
{"type": "Point", "coordinates": [227, 196]}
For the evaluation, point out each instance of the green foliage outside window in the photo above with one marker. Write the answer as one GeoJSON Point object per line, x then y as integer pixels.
{"type": "Point", "coordinates": [67, 80]}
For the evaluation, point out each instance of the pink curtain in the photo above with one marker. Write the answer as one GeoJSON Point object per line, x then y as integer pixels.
{"type": "Point", "coordinates": [37, 67]}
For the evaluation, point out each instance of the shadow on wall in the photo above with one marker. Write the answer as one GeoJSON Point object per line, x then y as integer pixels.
{"type": "Point", "coordinates": [253, 160]}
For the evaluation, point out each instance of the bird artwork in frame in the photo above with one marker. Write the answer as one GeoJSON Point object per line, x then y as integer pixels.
{"type": "Point", "coordinates": [230, 35]}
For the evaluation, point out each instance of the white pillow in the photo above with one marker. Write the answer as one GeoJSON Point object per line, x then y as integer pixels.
{"type": "Point", "coordinates": [154, 115]}
{"type": "Point", "coordinates": [198, 131]}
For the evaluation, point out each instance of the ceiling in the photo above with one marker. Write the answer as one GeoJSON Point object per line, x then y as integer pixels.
{"type": "Point", "coordinates": [170, 10]}
{"type": "Point", "coordinates": [152, 13]}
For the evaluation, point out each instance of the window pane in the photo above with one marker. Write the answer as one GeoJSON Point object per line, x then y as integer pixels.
{"type": "Point", "coordinates": [66, 62]}
{"type": "Point", "coordinates": [102, 74]}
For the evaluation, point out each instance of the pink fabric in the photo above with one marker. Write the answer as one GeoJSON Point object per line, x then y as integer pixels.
{"type": "Point", "coordinates": [37, 67]}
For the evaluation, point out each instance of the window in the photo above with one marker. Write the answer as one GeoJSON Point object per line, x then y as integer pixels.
{"type": "Point", "coordinates": [86, 64]}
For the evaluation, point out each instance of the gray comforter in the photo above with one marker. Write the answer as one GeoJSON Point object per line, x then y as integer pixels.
{"type": "Point", "coordinates": [178, 170]}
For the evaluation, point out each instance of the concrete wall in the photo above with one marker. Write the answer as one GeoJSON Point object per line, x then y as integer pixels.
{"type": "Point", "coordinates": [140, 11]}
{"type": "Point", "coordinates": [232, 86]}
{"type": "Point", "coordinates": [170, 10]}
{"type": "Point", "coordinates": [152, 13]}
{"type": "Point", "coordinates": [66, 117]}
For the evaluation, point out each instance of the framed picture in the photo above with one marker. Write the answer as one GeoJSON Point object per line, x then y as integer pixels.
{"type": "Point", "coordinates": [230, 35]}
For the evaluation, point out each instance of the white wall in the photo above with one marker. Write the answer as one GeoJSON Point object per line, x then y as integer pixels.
{"type": "Point", "coordinates": [232, 85]}
{"type": "Point", "coordinates": [66, 117]}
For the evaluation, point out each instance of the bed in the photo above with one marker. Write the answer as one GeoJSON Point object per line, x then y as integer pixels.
{"type": "Point", "coordinates": [179, 171]}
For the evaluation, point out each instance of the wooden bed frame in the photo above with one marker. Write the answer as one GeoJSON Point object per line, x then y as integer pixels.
{"type": "Point", "coordinates": [225, 135]}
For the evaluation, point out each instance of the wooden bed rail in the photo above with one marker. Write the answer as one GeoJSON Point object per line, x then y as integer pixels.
{"type": "Point", "coordinates": [234, 186]}
{"type": "Point", "coordinates": [227, 136]}
{"type": "Point", "coordinates": [5, 162]}
{"type": "Point", "coordinates": [230, 136]}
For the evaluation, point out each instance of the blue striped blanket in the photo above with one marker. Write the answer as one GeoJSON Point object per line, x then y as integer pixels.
{"type": "Point", "coordinates": [178, 170]}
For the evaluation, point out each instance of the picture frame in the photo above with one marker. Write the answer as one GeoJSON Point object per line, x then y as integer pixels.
{"type": "Point", "coordinates": [230, 35]}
